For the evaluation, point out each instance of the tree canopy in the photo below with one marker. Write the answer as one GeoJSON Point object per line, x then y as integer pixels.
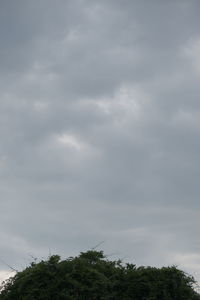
{"type": "Point", "coordinates": [91, 275]}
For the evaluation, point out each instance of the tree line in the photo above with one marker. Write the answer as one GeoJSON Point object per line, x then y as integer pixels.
{"type": "Point", "coordinates": [92, 276]}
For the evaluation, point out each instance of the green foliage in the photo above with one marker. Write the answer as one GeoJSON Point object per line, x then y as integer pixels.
{"type": "Point", "coordinates": [91, 276]}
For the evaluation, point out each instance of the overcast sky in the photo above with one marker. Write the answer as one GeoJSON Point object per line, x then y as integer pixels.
{"type": "Point", "coordinates": [100, 130]}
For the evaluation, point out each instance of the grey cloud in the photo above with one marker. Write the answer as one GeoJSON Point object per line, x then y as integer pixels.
{"type": "Point", "coordinates": [99, 127]}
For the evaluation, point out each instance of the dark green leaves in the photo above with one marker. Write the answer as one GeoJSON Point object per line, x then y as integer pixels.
{"type": "Point", "coordinates": [92, 276]}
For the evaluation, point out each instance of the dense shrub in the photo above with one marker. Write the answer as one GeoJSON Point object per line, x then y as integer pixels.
{"type": "Point", "coordinates": [92, 276]}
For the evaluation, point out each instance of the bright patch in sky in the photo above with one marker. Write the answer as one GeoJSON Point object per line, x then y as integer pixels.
{"type": "Point", "coordinates": [70, 141]}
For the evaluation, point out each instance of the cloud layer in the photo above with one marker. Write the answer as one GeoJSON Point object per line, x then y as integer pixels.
{"type": "Point", "coordinates": [99, 127]}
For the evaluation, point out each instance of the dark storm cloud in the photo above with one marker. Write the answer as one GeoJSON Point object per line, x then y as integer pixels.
{"type": "Point", "coordinates": [99, 127]}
